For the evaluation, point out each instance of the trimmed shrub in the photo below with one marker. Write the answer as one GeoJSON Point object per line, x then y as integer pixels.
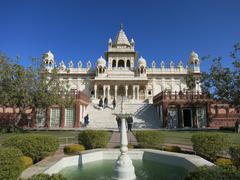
{"type": "Point", "coordinates": [27, 161]}
{"type": "Point", "coordinates": [92, 139]}
{"type": "Point", "coordinates": [227, 128]}
{"type": "Point", "coordinates": [130, 146]}
{"type": "Point", "coordinates": [47, 177]}
{"type": "Point", "coordinates": [214, 173]}
{"type": "Point", "coordinates": [234, 151]}
{"type": "Point", "coordinates": [149, 139]}
{"type": "Point", "coordinates": [172, 149]}
{"type": "Point", "coordinates": [223, 162]}
{"type": "Point", "coordinates": [11, 164]}
{"type": "Point", "coordinates": [34, 145]}
{"type": "Point", "coordinates": [210, 145]}
{"type": "Point", "coordinates": [73, 149]}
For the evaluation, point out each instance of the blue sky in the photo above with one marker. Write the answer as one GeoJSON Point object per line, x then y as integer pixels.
{"type": "Point", "coordinates": [79, 30]}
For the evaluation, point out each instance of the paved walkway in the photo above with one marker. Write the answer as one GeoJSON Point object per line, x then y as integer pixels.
{"type": "Point", "coordinates": [115, 139]}
{"type": "Point", "coordinates": [115, 142]}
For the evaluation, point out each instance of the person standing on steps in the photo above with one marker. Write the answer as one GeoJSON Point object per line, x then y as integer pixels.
{"type": "Point", "coordinates": [114, 103]}
{"type": "Point", "coordinates": [130, 123]}
{"type": "Point", "coordinates": [86, 120]}
{"type": "Point", "coordinates": [105, 102]}
{"type": "Point", "coordinates": [101, 103]}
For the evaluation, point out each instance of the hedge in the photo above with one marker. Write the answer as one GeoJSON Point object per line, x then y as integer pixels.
{"type": "Point", "coordinates": [214, 173]}
{"type": "Point", "coordinates": [33, 145]}
{"type": "Point", "coordinates": [234, 151]}
{"type": "Point", "coordinates": [92, 139]}
{"type": "Point", "coordinates": [11, 164]}
{"type": "Point", "coordinates": [172, 149]}
{"type": "Point", "coordinates": [47, 177]}
{"type": "Point", "coordinates": [149, 139]}
{"type": "Point", "coordinates": [210, 145]}
{"type": "Point", "coordinates": [73, 149]}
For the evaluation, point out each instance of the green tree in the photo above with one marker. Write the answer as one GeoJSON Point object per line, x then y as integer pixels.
{"type": "Point", "coordinates": [223, 83]}
{"type": "Point", "coordinates": [31, 87]}
{"type": "Point", "coordinates": [190, 81]}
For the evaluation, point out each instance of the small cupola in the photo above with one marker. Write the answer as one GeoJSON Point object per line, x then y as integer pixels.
{"type": "Point", "coordinates": [101, 65]}
{"type": "Point", "coordinates": [194, 59]}
{"type": "Point", "coordinates": [142, 62]}
{"type": "Point", "coordinates": [48, 58]}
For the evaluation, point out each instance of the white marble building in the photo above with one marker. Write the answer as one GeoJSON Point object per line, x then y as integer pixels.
{"type": "Point", "coordinates": [122, 73]}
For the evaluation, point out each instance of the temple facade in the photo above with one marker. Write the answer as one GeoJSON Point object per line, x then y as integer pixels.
{"type": "Point", "coordinates": [120, 72]}
{"type": "Point", "coordinates": [155, 93]}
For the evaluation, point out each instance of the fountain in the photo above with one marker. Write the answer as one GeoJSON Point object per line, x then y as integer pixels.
{"type": "Point", "coordinates": [148, 163]}
{"type": "Point", "coordinates": [124, 169]}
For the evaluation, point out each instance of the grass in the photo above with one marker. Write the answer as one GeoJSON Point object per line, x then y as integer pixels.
{"type": "Point", "coordinates": [184, 137]}
{"type": "Point", "coordinates": [171, 137]}
{"type": "Point", "coordinates": [70, 136]}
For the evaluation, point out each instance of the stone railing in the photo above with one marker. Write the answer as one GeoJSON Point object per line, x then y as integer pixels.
{"type": "Point", "coordinates": [187, 95]}
{"type": "Point", "coordinates": [166, 70]}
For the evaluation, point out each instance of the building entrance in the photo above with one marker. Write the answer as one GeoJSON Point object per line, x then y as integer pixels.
{"type": "Point", "coordinates": [187, 117]}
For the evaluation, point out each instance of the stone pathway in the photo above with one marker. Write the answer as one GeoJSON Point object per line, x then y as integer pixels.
{"type": "Point", "coordinates": [115, 139]}
{"type": "Point", "coordinates": [115, 142]}
{"type": "Point", "coordinates": [41, 166]}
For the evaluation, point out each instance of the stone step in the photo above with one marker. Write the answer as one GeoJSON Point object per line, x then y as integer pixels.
{"type": "Point", "coordinates": [144, 116]}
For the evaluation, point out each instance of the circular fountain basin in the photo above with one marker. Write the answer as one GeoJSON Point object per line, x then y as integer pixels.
{"type": "Point", "coordinates": [148, 163]}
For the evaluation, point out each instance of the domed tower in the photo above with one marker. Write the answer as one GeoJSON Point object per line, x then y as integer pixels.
{"type": "Point", "coordinates": [194, 62]}
{"type": "Point", "coordinates": [101, 65]}
{"type": "Point", "coordinates": [142, 65]}
{"type": "Point", "coordinates": [121, 53]}
{"type": "Point", "coordinates": [48, 59]}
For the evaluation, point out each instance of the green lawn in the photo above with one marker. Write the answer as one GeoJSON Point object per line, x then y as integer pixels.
{"type": "Point", "coordinates": [70, 136]}
{"type": "Point", "coordinates": [184, 137]}
{"type": "Point", "coordinates": [173, 137]}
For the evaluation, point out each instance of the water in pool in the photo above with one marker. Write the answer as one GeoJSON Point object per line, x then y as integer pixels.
{"type": "Point", "coordinates": [145, 170]}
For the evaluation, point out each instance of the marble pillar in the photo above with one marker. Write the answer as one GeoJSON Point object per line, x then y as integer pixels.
{"type": "Point", "coordinates": [126, 91]}
{"type": "Point", "coordinates": [95, 91]}
{"type": "Point", "coordinates": [115, 91]}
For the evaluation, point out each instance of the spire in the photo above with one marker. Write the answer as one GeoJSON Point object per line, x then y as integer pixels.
{"type": "Point", "coordinates": [121, 26]}
{"type": "Point", "coordinates": [121, 38]}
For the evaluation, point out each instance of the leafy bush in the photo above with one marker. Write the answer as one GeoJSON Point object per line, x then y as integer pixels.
{"type": "Point", "coordinates": [47, 177]}
{"type": "Point", "coordinates": [11, 164]}
{"type": "Point", "coordinates": [92, 139]}
{"type": "Point", "coordinates": [223, 162]}
{"type": "Point", "coordinates": [209, 145]}
{"type": "Point", "coordinates": [172, 148]}
{"type": "Point", "coordinates": [27, 161]}
{"type": "Point", "coordinates": [73, 149]}
{"type": "Point", "coordinates": [234, 151]}
{"type": "Point", "coordinates": [214, 173]}
{"type": "Point", "coordinates": [149, 139]}
{"type": "Point", "coordinates": [33, 145]}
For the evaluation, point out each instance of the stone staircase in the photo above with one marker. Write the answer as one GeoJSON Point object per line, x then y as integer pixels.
{"type": "Point", "coordinates": [144, 116]}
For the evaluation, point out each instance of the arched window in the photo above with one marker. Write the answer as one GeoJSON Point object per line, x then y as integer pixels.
{"type": "Point", "coordinates": [121, 63]}
{"type": "Point", "coordinates": [128, 63]}
{"type": "Point", "coordinates": [114, 63]}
